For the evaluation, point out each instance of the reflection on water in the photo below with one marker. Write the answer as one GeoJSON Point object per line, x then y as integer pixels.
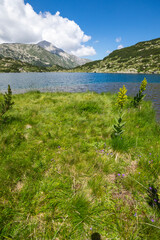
{"type": "Point", "coordinates": [82, 82]}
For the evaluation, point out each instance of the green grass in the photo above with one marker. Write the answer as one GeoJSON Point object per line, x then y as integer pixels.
{"type": "Point", "coordinates": [61, 172]}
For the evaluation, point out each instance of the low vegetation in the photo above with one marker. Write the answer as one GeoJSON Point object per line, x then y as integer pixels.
{"type": "Point", "coordinates": [62, 175]}
{"type": "Point", "coordinates": [143, 57]}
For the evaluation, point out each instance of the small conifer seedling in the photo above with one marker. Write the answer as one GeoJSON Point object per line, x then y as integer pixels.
{"type": "Point", "coordinates": [7, 102]}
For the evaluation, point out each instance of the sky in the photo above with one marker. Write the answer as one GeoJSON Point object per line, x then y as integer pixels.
{"type": "Point", "coordinates": [90, 29]}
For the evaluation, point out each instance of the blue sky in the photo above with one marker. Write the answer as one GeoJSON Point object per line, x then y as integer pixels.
{"type": "Point", "coordinates": [104, 21]}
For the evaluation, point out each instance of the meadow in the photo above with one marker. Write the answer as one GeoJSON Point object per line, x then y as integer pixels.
{"type": "Point", "coordinates": [62, 175]}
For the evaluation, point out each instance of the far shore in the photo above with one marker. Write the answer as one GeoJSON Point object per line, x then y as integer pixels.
{"type": "Point", "coordinates": [87, 72]}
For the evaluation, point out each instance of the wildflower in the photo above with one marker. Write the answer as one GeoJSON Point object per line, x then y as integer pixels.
{"type": "Point", "coordinates": [149, 153]}
{"type": "Point", "coordinates": [123, 175]}
{"type": "Point", "coordinates": [150, 188]}
{"type": "Point", "coordinates": [135, 214]}
{"type": "Point", "coordinates": [152, 220]}
{"type": "Point", "coordinates": [119, 174]}
{"type": "Point", "coordinates": [91, 228]}
{"type": "Point", "coordinates": [139, 173]}
{"type": "Point", "coordinates": [139, 97]}
{"type": "Point", "coordinates": [59, 147]}
{"type": "Point", "coordinates": [155, 200]}
{"type": "Point", "coordinates": [122, 97]}
{"type": "Point", "coordinates": [143, 85]}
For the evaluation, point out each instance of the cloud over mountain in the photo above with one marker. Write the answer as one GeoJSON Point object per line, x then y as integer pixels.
{"type": "Point", "coordinates": [20, 23]}
{"type": "Point", "coordinates": [120, 47]}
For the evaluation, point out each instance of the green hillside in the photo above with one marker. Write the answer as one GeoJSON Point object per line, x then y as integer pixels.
{"type": "Point", "coordinates": [11, 65]}
{"type": "Point", "coordinates": [143, 57]}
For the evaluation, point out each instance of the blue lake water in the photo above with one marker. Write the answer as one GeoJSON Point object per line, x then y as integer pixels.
{"type": "Point", "coordinates": [81, 82]}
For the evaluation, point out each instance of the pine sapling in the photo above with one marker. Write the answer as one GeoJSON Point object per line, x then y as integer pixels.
{"type": "Point", "coordinates": [7, 102]}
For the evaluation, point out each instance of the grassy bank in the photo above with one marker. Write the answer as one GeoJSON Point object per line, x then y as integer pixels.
{"type": "Point", "coordinates": [63, 177]}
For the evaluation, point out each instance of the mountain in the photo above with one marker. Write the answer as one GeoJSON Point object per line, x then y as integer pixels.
{"type": "Point", "coordinates": [29, 53]}
{"type": "Point", "coordinates": [72, 60]}
{"type": "Point", "coordinates": [12, 65]}
{"type": "Point", "coordinates": [37, 55]}
{"type": "Point", "coordinates": [143, 57]}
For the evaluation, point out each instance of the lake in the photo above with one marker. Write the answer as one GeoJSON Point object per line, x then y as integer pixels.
{"type": "Point", "coordinates": [82, 82]}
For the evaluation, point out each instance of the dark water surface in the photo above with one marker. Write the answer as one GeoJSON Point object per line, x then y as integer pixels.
{"type": "Point", "coordinates": [81, 82]}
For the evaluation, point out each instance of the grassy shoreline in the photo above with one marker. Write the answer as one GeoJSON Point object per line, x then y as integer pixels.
{"type": "Point", "coordinates": [62, 176]}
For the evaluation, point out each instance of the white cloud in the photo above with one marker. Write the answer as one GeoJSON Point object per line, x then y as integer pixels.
{"type": "Point", "coordinates": [119, 39]}
{"type": "Point", "coordinates": [97, 41]}
{"type": "Point", "coordinates": [84, 51]}
{"type": "Point", "coordinates": [108, 51]}
{"type": "Point", "coordinates": [120, 46]}
{"type": "Point", "coordinates": [20, 23]}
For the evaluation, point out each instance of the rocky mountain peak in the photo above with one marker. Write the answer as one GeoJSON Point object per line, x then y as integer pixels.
{"type": "Point", "coordinates": [50, 47]}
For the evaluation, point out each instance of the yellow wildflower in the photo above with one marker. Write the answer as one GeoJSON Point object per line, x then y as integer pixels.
{"type": "Point", "coordinates": [122, 97]}
{"type": "Point", "coordinates": [143, 85]}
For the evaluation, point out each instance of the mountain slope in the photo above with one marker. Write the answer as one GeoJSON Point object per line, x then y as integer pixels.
{"type": "Point", "coordinates": [143, 57]}
{"type": "Point", "coordinates": [38, 56]}
{"type": "Point", "coordinates": [12, 65]}
{"type": "Point", "coordinates": [29, 53]}
{"type": "Point", "coordinates": [71, 60]}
